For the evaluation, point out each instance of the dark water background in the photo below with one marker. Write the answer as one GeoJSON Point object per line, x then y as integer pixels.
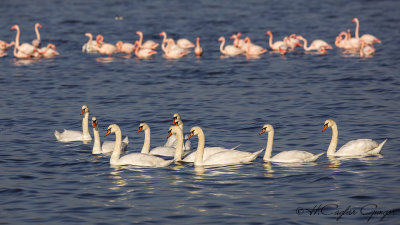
{"type": "Point", "coordinates": [46, 182]}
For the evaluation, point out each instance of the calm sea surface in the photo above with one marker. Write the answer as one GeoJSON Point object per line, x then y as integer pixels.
{"type": "Point", "coordinates": [43, 181]}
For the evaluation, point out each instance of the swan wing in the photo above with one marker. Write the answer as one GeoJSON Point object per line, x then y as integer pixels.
{"type": "Point", "coordinates": [230, 157]}
{"type": "Point", "coordinates": [146, 160]}
{"type": "Point", "coordinates": [208, 151]}
{"type": "Point", "coordinates": [163, 151]}
{"type": "Point", "coordinates": [357, 147]}
{"type": "Point", "coordinates": [295, 156]}
{"type": "Point", "coordinates": [69, 135]}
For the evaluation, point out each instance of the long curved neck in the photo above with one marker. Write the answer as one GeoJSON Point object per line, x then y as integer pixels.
{"type": "Point", "coordinates": [270, 40]}
{"type": "Point", "coordinates": [163, 46]}
{"type": "Point", "coordinates": [305, 44]}
{"type": "Point", "coordinates": [96, 145]}
{"type": "Point", "coordinates": [90, 38]}
{"type": "Point", "coordinates": [357, 29]}
{"type": "Point", "coordinates": [334, 140]}
{"type": "Point", "coordinates": [140, 38]}
{"type": "Point", "coordinates": [200, 149]}
{"type": "Point", "coordinates": [37, 32]}
{"type": "Point", "coordinates": [179, 145]}
{"type": "Point", "coordinates": [117, 148]}
{"type": "Point", "coordinates": [268, 149]}
{"type": "Point", "coordinates": [221, 47]}
{"type": "Point", "coordinates": [146, 143]}
{"type": "Point", "coordinates": [85, 126]}
{"type": "Point", "coordinates": [17, 37]}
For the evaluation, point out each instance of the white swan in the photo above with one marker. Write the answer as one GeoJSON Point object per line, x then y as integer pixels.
{"type": "Point", "coordinates": [73, 135]}
{"type": "Point", "coordinates": [161, 150]}
{"type": "Point", "coordinates": [292, 156]}
{"type": "Point", "coordinates": [108, 146]}
{"type": "Point", "coordinates": [136, 159]}
{"type": "Point", "coordinates": [171, 142]}
{"type": "Point", "coordinates": [230, 157]}
{"type": "Point", "coordinates": [359, 147]}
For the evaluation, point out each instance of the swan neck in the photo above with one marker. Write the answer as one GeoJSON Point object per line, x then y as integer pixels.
{"type": "Point", "coordinates": [268, 149]}
{"type": "Point", "coordinates": [85, 126]}
{"type": "Point", "coordinates": [179, 145]}
{"type": "Point", "coordinates": [334, 141]}
{"type": "Point", "coordinates": [146, 143]}
{"type": "Point", "coordinates": [117, 148]}
{"type": "Point", "coordinates": [200, 149]}
{"type": "Point", "coordinates": [96, 145]}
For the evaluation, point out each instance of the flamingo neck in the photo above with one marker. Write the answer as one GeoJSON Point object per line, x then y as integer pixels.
{"type": "Point", "coordinates": [268, 149]}
{"type": "Point", "coordinates": [140, 38]}
{"type": "Point", "coordinates": [179, 145]}
{"type": "Point", "coordinates": [96, 145]}
{"type": "Point", "coordinates": [198, 161]}
{"type": "Point", "coordinates": [90, 38]}
{"type": "Point", "coordinates": [334, 141]}
{"type": "Point", "coordinates": [17, 38]}
{"type": "Point", "coordinates": [146, 143]}
{"type": "Point", "coordinates": [305, 44]}
{"type": "Point", "coordinates": [117, 148]}
{"type": "Point", "coordinates": [37, 32]}
{"type": "Point", "coordinates": [221, 47]}
{"type": "Point", "coordinates": [85, 126]}
{"type": "Point", "coordinates": [270, 40]}
{"type": "Point", "coordinates": [357, 29]}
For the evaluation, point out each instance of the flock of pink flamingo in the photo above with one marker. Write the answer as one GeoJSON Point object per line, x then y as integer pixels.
{"type": "Point", "coordinates": [177, 49]}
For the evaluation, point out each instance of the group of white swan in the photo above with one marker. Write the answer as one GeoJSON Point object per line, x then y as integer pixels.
{"type": "Point", "coordinates": [203, 156]}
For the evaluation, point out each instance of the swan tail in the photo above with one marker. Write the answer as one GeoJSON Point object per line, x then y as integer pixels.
{"type": "Point", "coordinates": [236, 147]}
{"type": "Point", "coordinates": [126, 140]}
{"type": "Point", "coordinates": [377, 149]}
{"type": "Point", "coordinates": [255, 154]}
{"type": "Point", "coordinates": [315, 157]}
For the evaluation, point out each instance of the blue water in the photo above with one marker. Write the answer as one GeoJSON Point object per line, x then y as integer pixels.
{"type": "Point", "coordinates": [47, 182]}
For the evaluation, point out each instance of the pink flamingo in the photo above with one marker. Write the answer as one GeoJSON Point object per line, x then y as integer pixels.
{"type": "Point", "coordinates": [143, 53]}
{"type": "Point", "coordinates": [366, 50]}
{"type": "Point", "coordinates": [4, 45]}
{"type": "Point", "coordinates": [125, 47]}
{"type": "Point", "coordinates": [229, 50]}
{"type": "Point", "coordinates": [277, 46]}
{"type": "Point", "coordinates": [37, 42]}
{"type": "Point", "coordinates": [22, 51]}
{"type": "Point", "coordinates": [184, 43]}
{"type": "Point", "coordinates": [49, 51]}
{"type": "Point", "coordinates": [292, 42]}
{"type": "Point", "coordinates": [237, 42]}
{"type": "Point", "coordinates": [198, 51]}
{"type": "Point", "coordinates": [148, 44]}
{"type": "Point", "coordinates": [318, 45]}
{"type": "Point", "coordinates": [171, 51]}
{"type": "Point", "coordinates": [367, 38]}
{"type": "Point", "coordinates": [90, 46]}
{"type": "Point", "coordinates": [252, 49]}
{"type": "Point", "coordinates": [105, 48]}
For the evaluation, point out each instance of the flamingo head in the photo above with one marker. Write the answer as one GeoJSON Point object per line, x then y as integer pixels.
{"type": "Point", "coordinates": [139, 33]}
{"type": "Point", "coordinates": [52, 46]}
{"type": "Point", "coordinates": [221, 39]}
{"type": "Point", "coordinates": [355, 20]}
{"type": "Point", "coordinates": [239, 34]}
{"type": "Point", "coordinates": [11, 44]}
{"type": "Point", "coordinates": [88, 34]}
{"type": "Point", "coordinates": [38, 25]}
{"type": "Point", "coordinates": [99, 38]}
{"type": "Point", "coordinates": [269, 32]}
{"type": "Point", "coordinates": [162, 33]}
{"type": "Point", "coordinates": [377, 41]}
{"type": "Point", "coordinates": [198, 39]}
{"type": "Point", "coordinates": [14, 27]}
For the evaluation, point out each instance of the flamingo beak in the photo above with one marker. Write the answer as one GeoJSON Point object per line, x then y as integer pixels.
{"type": "Point", "coordinates": [325, 126]}
{"type": "Point", "coordinates": [108, 132]}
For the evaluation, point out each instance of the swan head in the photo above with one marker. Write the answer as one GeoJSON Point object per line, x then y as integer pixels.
{"type": "Point", "coordinates": [85, 109]}
{"type": "Point", "coordinates": [177, 118]}
{"type": "Point", "coordinates": [266, 128]}
{"type": "Point", "coordinates": [94, 122]}
{"type": "Point", "coordinates": [328, 123]}
{"type": "Point", "coordinates": [112, 129]}
{"type": "Point", "coordinates": [172, 130]}
{"type": "Point", "coordinates": [194, 131]}
{"type": "Point", "coordinates": [143, 127]}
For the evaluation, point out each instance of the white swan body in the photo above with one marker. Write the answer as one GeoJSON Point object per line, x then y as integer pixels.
{"type": "Point", "coordinates": [161, 150]}
{"type": "Point", "coordinates": [359, 147]}
{"type": "Point", "coordinates": [222, 158]}
{"type": "Point", "coordinates": [136, 159]}
{"type": "Point", "coordinates": [292, 156]}
{"type": "Point", "coordinates": [108, 146]}
{"type": "Point", "coordinates": [208, 151]}
{"type": "Point", "coordinates": [72, 135]}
